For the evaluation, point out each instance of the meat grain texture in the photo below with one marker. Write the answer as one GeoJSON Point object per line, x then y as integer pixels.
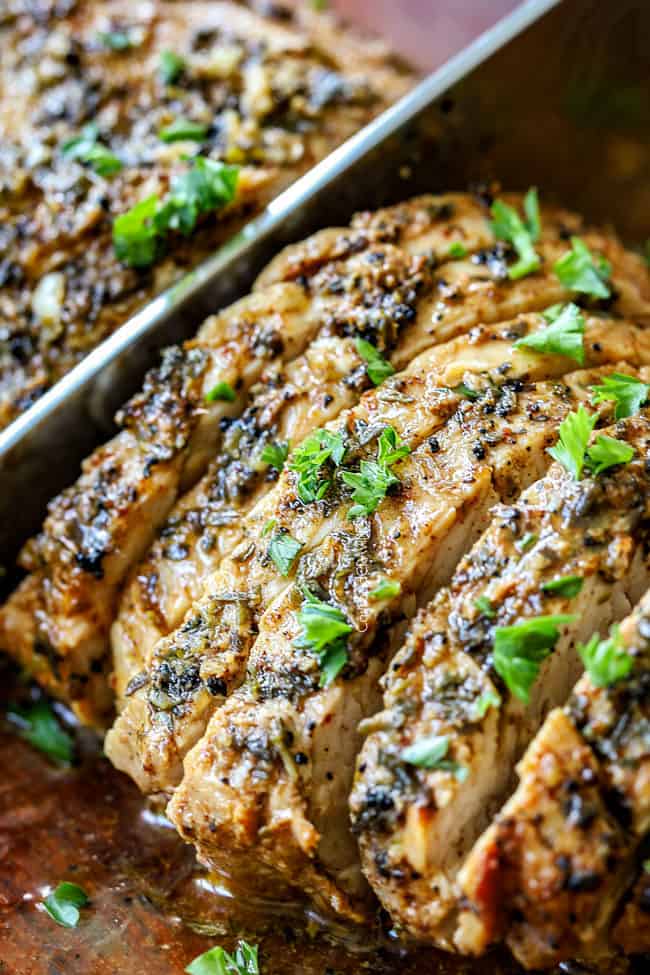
{"type": "Point", "coordinates": [367, 512]}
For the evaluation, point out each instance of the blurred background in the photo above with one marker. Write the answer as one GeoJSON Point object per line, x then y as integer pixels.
{"type": "Point", "coordinates": [451, 24]}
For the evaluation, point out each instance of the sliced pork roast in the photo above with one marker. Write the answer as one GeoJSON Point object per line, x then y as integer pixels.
{"type": "Point", "coordinates": [361, 282]}
{"type": "Point", "coordinates": [56, 623]}
{"type": "Point", "coordinates": [169, 698]}
{"type": "Point", "coordinates": [271, 776]}
{"type": "Point", "coordinates": [484, 664]}
{"type": "Point", "coordinates": [286, 405]}
{"type": "Point", "coordinates": [550, 872]}
{"type": "Point", "coordinates": [401, 279]}
{"type": "Point", "coordinates": [155, 729]}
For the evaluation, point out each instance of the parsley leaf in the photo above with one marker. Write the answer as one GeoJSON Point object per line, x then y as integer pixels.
{"type": "Point", "coordinates": [457, 250]}
{"type": "Point", "coordinates": [628, 393]}
{"type": "Point", "coordinates": [573, 453]}
{"type": "Point", "coordinates": [485, 607]}
{"type": "Point", "coordinates": [221, 391]}
{"type": "Point", "coordinates": [553, 311]}
{"type": "Point", "coordinates": [579, 271]}
{"type": "Point", "coordinates": [519, 650]}
{"type": "Point", "coordinates": [489, 699]}
{"type": "Point", "coordinates": [526, 542]}
{"type": "Point", "coordinates": [38, 725]}
{"type": "Point", "coordinates": [567, 586]}
{"type": "Point", "coordinates": [182, 129]}
{"type": "Point", "coordinates": [63, 904]}
{"type": "Point", "coordinates": [386, 589]}
{"type": "Point", "coordinates": [283, 550]}
{"type": "Point", "coordinates": [531, 210]}
{"type": "Point", "coordinates": [606, 661]}
{"type": "Point", "coordinates": [324, 629]}
{"type": "Point", "coordinates": [462, 389]}
{"type": "Point", "coordinates": [275, 454]}
{"type": "Point", "coordinates": [369, 485]}
{"type": "Point", "coordinates": [115, 40]}
{"type": "Point", "coordinates": [216, 961]}
{"type": "Point", "coordinates": [87, 149]}
{"type": "Point", "coordinates": [207, 186]}
{"type": "Point", "coordinates": [135, 238]}
{"type": "Point", "coordinates": [377, 367]}
{"type": "Point", "coordinates": [390, 448]}
{"type": "Point", "coordinates": [575, 431]}
{"type": "Point", "coordinates": [607, 452]}
{"type": "Point", "coordinates": [431, 753]}
{"type": "Point", "coordinates": [507, 225]}
{"type": "Point", "coordinates": [309, 459]}
{"type": "Point", "coordinates": [140, 233]}
{"type": "Point", "coordinates": [172, 66]}
{"type": "Point", "coordinates": [374, 477]}
{"type": "Point", "coordinates": [563, 337]}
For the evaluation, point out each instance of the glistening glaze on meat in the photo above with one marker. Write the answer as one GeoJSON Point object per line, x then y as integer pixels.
{"type": "Point", "coordinates": [417, 825]}
{"type": "Point", "coordinates": [550, 873]}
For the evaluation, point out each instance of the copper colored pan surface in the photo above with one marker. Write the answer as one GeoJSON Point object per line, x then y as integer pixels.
{"type": "Point", "coordinates": [148, 902]}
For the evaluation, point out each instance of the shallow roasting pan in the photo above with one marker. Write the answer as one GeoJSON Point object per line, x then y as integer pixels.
{"type": "Point", "coordinates": [557, 94]}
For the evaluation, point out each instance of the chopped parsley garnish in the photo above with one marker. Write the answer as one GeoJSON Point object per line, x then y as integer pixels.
{"type": "Point", "coordinates": [63, 904]}
{"type": "Point", "coordinates": [485, 607]}
{"type": "Point", "coordinates": [172, 66]}
{"type": "Point", "coordinates": [87, 149]}
{"type": "Point", "coordinates": [283, 550]}
{"type": "Point", "coordinates": [575, 431]}
{"type": "Point", "coordinates": [39, 726]}
{"type": "Point", "coordinates": [531, 210]}
{"type": "Point", "coordinates": [311, 461]}
{"type": "Point", "coordinates": [628, 393]}
{"type": "Point", "coordinates": [386, 589]}
{"type": "Point", "coordinates": [573, 453]}
{"type": "Point", "coordinates": [606, 661]}
{"type": "Point", "coordinates": [487, 700]}
{"type": "Point", "coordinates": [522, 234]}
{"type": "Point", "coordinates": [457, 250]}
{"type": "Point", "coordinates": [607, 452]}
{"type": "Point", "coordinates": [275, 454]}
{"type": "Point", "coordinates": [564, 336]}
{"type": "Point", "coordinates": [377, 367]}
{"type": "Point", "coordinates": [324, 631]}
{"type": "Point", "coordinates": [527, 541]}
{"type": "Point", "coordinates": [371, 482]}
{"type": "Point", "coordinates": [567, 586]}
{"type": "Point", "coordinates": [580, 271]}
{"type": "Point", "coordinates": [268, 527]}
{"type": "Point", "coordinates": [462, 389]}
{"type": "Point", "coordinates": [136, 238]}
{"type": "Point", "coordinates": [115, 40]}
{"type": "Point", "coordinates": [216, 961]}
{"type": "Point", "coordinates": [222, 391]}
{"type": "Point", "coordinates": [553, 311]}
{"type": "Point", "coordinates": [431, 753]}
{"type": "Point", "coordinates": [140, 233]}
{"type": "Point", "coordinates": [183, 129]}
{"type": "Point", "coordinates": [519, 650]}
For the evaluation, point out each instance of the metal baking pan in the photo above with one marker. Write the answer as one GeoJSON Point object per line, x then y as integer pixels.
{"type": "Point", "coordinates": [555, 94]}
